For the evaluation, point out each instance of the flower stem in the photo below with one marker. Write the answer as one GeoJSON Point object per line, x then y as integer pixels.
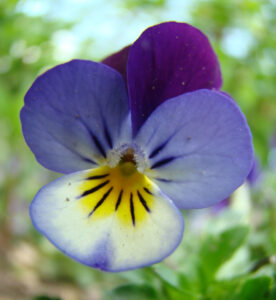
{"type": "Point", "coordinates": [263, 262]}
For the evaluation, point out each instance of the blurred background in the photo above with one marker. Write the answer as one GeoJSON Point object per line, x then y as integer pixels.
{"type": "Point", "coordinates": [227, 252]}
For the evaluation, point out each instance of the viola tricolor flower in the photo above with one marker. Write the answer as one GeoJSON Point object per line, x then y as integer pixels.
{"type": "Point", "coordinates": [133, 156]}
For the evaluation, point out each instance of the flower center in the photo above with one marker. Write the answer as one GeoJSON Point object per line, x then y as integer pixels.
{"type": "Point", "coordinates": [127, 163]}
{"type": "Point", "coordinates": [121, 190]}
{"type": "Point", "coordinates": [129, 157]}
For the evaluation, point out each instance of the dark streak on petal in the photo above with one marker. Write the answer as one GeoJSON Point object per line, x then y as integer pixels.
{"type": "Point", "coordinates": [119, 200]}
{"type": "Point", "coordinates": [143, 201]}
{"type": "Point", "coordinates": [148, 191]}
{"type": "Point", "coordinates": [97, 177]}
{"type": "Point", "coordinates": [163, 179]}
{"type": "Point", "coordinates": [88, 160]}
{"type": "Point", "coordinates": [162, 162]}
{"type": "Point", "coordinates": [158, 149]}
{"type": "Point", "coordinates": [98, 145]}
{"type": "Point", "coordinates": [94, 189]}
{"type": "Point", "coordinates": [101, 201]}
{"type": "Point", "coordinates": [132, 209]}
{"type": "Point", "coordinates": [108, 137]}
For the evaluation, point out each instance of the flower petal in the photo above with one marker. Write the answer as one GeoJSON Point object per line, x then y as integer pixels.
{"type": "Point", "coordinates": [73, 115]}
{"type": "Point", "coordinates": [167, 60]}
{"type": "Point", "coordinates": [90, 219]}
{"type": "Point", "coordinates": [199, 148]}
{"type": "Point", "coordinates": [255, 172]}
{"type": "Point", "coordinates": [118, 61]}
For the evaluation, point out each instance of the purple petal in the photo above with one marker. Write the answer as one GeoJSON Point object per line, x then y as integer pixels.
{"type": "Point", "coordinates": [168, 60]}
{"type": "Point", "coordinates": [73, 115]}
{"type": "Point", "coordinates": [255, 172]}
{"type": "Point", "coordinates": [118, 61]}
{"type": "Point", "coordinates": [221, 206]}
{"type": "Point", "coordinates": [199, 148]}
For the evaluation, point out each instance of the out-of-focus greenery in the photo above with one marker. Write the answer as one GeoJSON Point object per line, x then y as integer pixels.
{"type": "Point", "coordinates": [224, 255]}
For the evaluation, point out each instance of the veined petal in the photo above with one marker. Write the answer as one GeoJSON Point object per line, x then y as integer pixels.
{"type": "Point", "coordinates": [73, 115]}
{"type": "Point", "coordinates": [107, 219]}
{"type": "Point", "coordinates": [168, 60]}
{"type": "Point", "coordinates": [199, 148]}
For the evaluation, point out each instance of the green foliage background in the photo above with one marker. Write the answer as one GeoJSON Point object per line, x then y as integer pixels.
{"type": "Point", "coordinates": [226, 255]}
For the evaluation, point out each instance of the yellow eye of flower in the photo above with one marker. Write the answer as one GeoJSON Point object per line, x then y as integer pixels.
{"type": "Point", "coordinates": [121, 191]}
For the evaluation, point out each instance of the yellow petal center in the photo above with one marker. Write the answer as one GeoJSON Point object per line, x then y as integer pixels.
{"type": "Point", "coordinates": [121, 191]}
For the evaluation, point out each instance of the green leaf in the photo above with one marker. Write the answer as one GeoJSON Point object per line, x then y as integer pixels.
{"type": "Point", "coordinates": [174, 285]}
{"type": "Point", "coordinates": [273, 293]}
{"type": "Point", "coordinates": [132, 292]}
{"type": "Point", "coordinates": [216, 250]}
{"type": "Point", "coordinates": [255, 288]}
{"type": "Point", "coordinates": [167, 274]}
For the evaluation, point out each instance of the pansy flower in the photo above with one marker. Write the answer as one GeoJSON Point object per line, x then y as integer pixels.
{"type": "Point", "coordinates": [136, 146]}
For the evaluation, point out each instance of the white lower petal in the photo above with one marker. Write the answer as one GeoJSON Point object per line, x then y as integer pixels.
{"type": "Point", "coordinates": [106, 238]}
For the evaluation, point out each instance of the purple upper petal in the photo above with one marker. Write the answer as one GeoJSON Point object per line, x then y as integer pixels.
{"type": "Point", "coordinates": [118, 61]}
{"type": "Point", "coordinates": [73, 115]}
{"type": "Point", "coordinates": [167, 60]}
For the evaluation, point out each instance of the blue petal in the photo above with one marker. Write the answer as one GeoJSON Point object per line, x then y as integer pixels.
{"type": "Point", "coordinates": [199, 148]}
{"type": "Point", "coordinates": [73, 115]}
{"type": "Point", "coordinates": [62, 212]}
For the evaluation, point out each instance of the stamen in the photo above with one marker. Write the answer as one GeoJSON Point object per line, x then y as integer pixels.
{"type": "Point", "coordinates": [131, 153]}
{"type": "Point", "coordinates": [128, 156]}
{"type": "Point", "coordinates": [127, 163]}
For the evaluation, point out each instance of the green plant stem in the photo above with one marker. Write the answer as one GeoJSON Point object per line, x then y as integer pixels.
{"type": "Point", "coordinates": [263, 262]}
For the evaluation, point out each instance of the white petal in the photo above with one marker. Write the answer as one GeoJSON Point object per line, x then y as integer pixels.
{"type": "Point", "coordinates": [87, 226]}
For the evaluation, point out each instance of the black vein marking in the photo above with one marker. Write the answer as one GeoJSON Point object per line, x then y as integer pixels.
{"type": "Point", "coordinates": [108, 137]}
{"type": "Point", "coordinates": [97, 177]}
{"type": "Point", "coordinates": [98, 145]}
{"type": "Point", "coordinates": [162, 162]}
{"type": "Point", "coordinates": [101, 201]}
{"type": "Point", "coordinates": [164, 180]}
{"type": "Point", "coordinates": [94, 189]}
{"type": "Point", "coordinates": [148, 191]}
{"type": "Point", "coordinates": [132, 209]}
{"type": "Point", "coordinates": [143, 201]}
{"type": "Point", "coordinates": [119, 200]}
{"type": "Point", "coordinates": [89, 160]}
{"type": "Point", "coordinates": [158, 149]}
